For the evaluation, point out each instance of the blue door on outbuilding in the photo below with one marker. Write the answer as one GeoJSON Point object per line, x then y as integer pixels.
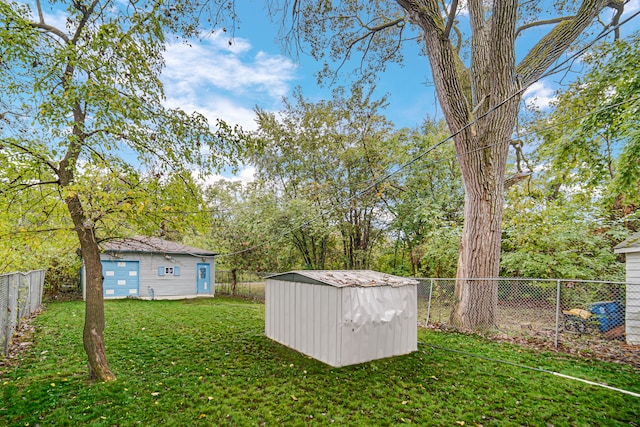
{"type": "Point", "coordinates": [121, 279]}
{"type": "Point", "coordinates": [204, 278]}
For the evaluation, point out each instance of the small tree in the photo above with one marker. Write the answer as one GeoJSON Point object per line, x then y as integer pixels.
{"type": "Point", "coordinates": [85, 93]}
{"type": "Point", "coordinates": [330, 155]}
{"type": "Point", "coordinates": [426, 201]}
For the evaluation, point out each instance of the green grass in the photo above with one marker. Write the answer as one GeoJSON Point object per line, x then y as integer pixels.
{"type": "Point", "coordinates": [207, 362]}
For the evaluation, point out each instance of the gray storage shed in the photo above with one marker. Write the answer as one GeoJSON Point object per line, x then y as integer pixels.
{"type": "Point", "coordinates": [151, 267]}
{"type": "Point", "coordinates": [342, 317]}
{"type": "Point", "coordinates": [631, 249]}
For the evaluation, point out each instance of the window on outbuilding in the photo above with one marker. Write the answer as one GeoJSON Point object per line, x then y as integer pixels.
{"type": "Point", "coordinates": [168, 271]}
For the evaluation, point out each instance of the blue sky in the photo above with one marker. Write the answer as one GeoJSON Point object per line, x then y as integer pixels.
{"type": "Point", "coordinates": [231, 80]}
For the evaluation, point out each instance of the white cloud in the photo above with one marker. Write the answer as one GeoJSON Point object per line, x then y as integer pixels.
{"type": "Point", "coordinates": [218, 107]}
{"type": "Point", "coordinates": [225, 81]}
{"type": "Point", "coordinates": [245, 175]}
{"type": "Point", "coordinates": [189, 68]}
{"type": "Point", "coordinates": [540, 95]}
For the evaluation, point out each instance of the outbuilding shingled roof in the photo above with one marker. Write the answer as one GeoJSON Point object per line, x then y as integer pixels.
{"type": "Point", "coordinates": [152, 245]}
{"type": "Point", "coordinates": [344, 278]}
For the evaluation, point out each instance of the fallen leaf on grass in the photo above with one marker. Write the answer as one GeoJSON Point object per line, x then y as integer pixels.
{"type": "Point", "coordinates": [201, 416]}
{"type": "Point", "coordinates": [294, 398]}
{"type": "Point", "coordinates": [460, 422]}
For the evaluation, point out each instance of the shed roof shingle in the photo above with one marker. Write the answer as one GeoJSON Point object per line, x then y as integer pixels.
{"type": "Point", "coordinates": [152, 245]}
{"type": "Point", "coordinates": [344, 278]}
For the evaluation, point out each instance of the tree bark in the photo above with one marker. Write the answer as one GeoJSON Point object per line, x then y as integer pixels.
{"type": "Point", "coordinates": [93, 334]}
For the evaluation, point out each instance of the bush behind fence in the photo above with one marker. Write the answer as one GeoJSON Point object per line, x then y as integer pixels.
{"type": "Point", "coordinates": [20, 296]}
{"type": "Point", "coordinates": [552, 309]}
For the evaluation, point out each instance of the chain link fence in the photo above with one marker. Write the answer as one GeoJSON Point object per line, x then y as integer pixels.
{"type": "Point", "coordinates": [20, 296]}
{"type": "Point", "coordinates": [248, 284]}
{"type": "Point", "coordinates": [562, 310]}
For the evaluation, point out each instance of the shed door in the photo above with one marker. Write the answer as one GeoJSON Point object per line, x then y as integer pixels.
{"type": "Point", "coordinates": [121, 278]}
{"type": "Point", "coordinates": [204, 278]}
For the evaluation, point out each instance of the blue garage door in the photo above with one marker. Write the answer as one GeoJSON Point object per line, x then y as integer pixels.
{"type": "Point", "coordinates": [121, 278]}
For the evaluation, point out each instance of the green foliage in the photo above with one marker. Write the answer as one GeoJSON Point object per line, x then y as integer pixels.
{"type": "Point", "coordinates": [34, 226]}
{"type": "Point", "coordinates": [326, 160]}
{"type": "Point", "coordinates": [439, 251]}
{"type": "Point", "coordinates": [591, 139]}
{"type": "Point", "coordinates": [426, 202]}
{"type": "Point", "coordinates": [207, 362]}
{"type": "Point", "coordinates": [244, 228]}
{"type": "Point", "coordinates": [559, 238]}
{"type": "Point", "coordinates": [63, 272]}
{"type": "Point", "coordinates": [565, 222]}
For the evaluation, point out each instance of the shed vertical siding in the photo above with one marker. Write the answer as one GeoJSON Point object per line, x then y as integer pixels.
{"type": "Point", "coordinates": [303, 317]}
{"type": "Point", "coordinates": [342, 326]}
{"type": "Point", "coordinates": [632, 316]}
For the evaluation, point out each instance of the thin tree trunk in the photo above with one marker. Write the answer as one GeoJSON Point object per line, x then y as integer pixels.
{"type": "Point", "coordinates": [234, 281]}
{"type": "Point", "coordinates": [93, 334]}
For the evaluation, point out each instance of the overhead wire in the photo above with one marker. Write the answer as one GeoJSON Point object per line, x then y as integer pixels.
{"type": "Point", "coordinates": [414, 160]}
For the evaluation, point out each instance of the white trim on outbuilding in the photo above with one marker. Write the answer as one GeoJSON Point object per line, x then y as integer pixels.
{"type": "Point", "coordinates": [631, 249]}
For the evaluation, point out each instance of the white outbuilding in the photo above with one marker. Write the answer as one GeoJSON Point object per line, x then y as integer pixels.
{"type": "Point", "coordinates": [342, 317]}
{"type": "Point", "coordinates": [631, 249]}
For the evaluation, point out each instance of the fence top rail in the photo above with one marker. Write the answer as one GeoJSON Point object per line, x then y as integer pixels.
{"type": "Point", "coordinates": [23, 273]}
{"type": "Point", "coordinates": [530, 279]}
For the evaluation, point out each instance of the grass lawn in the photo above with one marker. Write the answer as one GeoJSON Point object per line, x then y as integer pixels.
{"type": "Point", "coordinates": [207, 362]}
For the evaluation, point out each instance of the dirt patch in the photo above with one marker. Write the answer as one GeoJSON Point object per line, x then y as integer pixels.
{"type": "Point", "coordinates": [22, 340]}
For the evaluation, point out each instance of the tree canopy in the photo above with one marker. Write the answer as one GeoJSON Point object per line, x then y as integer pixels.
{"type": "Point", "coordinates": [591, 140]}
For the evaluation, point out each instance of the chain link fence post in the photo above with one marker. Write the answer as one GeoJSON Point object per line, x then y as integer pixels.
{"type": "Point", "coordinates": [555, 342]}
{"type": "Point", "coordinates": [429, 301]}
{"type": "Point", "coordinates": [5, 313]}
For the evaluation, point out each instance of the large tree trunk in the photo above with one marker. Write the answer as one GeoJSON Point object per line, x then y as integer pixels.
{"type": "Point", "coordinates": [479, 253]}
{"type": "Point", "coordinates": [482, 156]}
{"type": "Point", "coordinates": [472, 103]}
